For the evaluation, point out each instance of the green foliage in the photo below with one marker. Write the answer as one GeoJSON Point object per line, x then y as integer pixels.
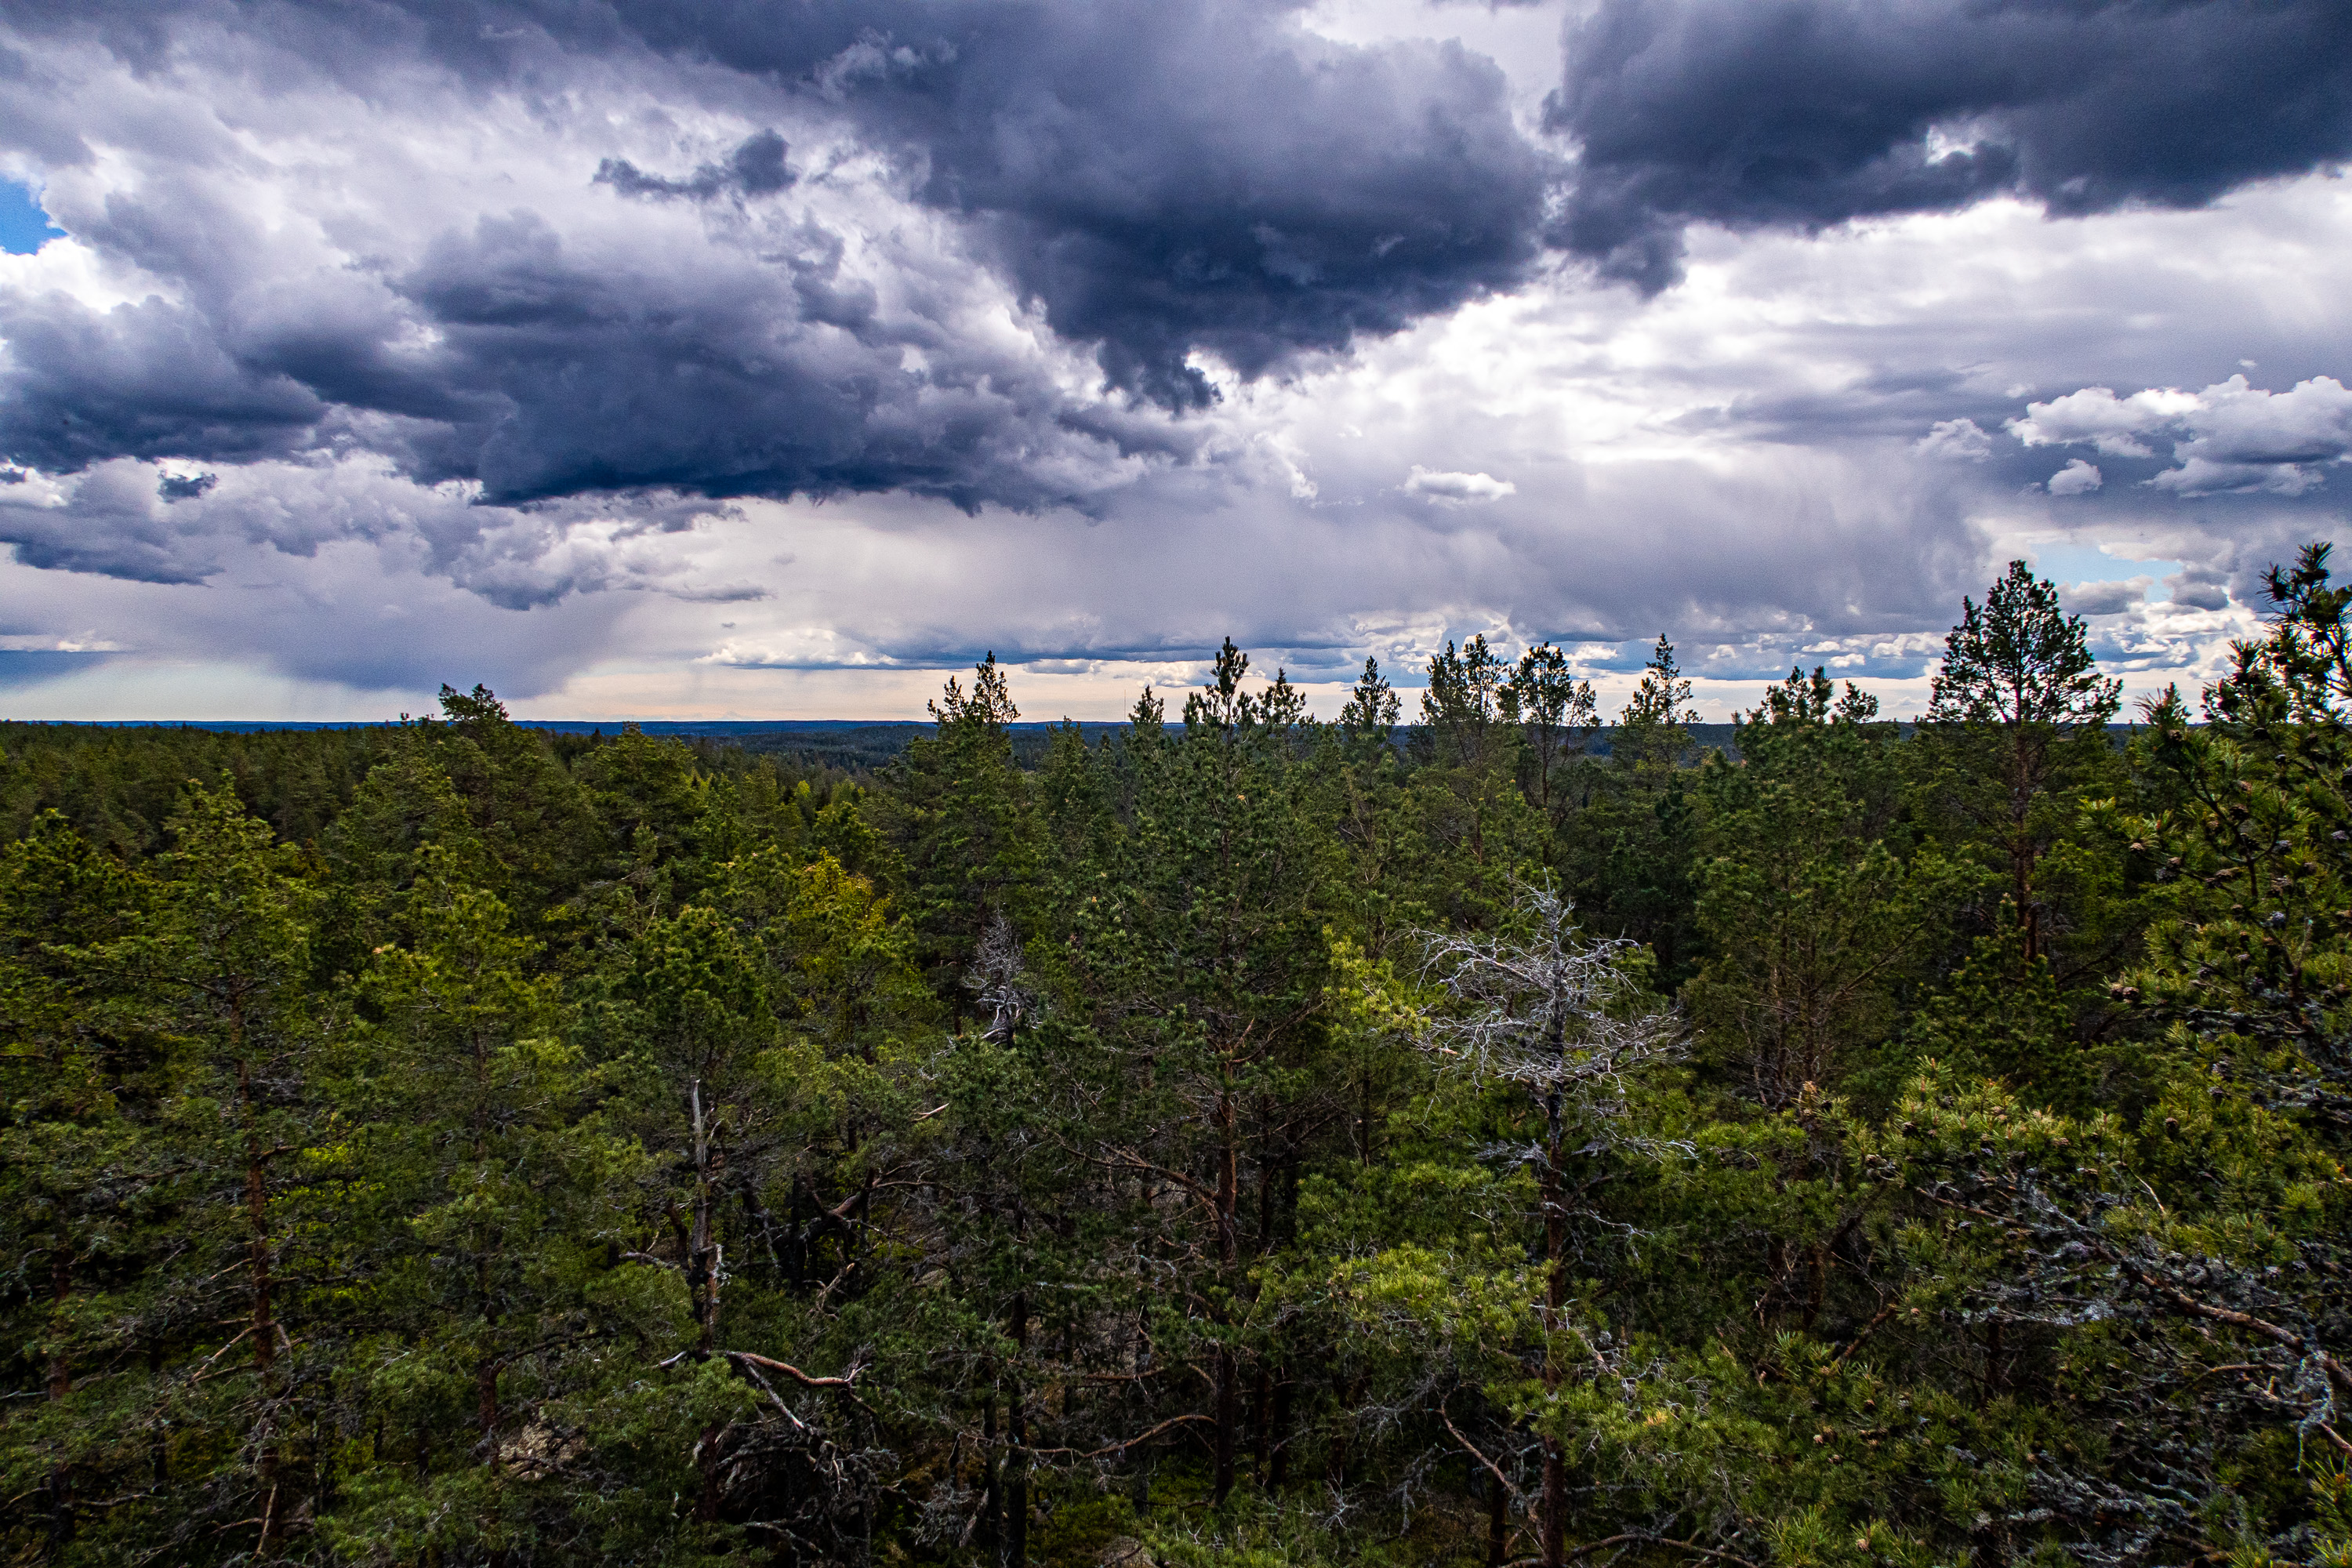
{"type": "Point", "coordinates": [958, 819]}
{"type": "Point", "coordinates": [1814, 905]}
{"type": "Point", "coordinates": [1242, 1140]}
{"type": "Point", "coordinates": [2019, 660]}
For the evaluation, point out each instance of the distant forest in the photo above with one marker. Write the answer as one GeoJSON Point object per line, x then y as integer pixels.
{"type": "Point", "coordinates": [1230, 1137]}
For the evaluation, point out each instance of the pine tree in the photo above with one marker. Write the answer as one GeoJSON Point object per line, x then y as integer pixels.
{"type": "Point", "coordinates": [1812, 903]}
{"type": "Point", "coordinates": [1558, 719]}
{"type": "Point", "coordinates": [1653, 731]}
{"type": "Point", "coordinates": [226, 957]}
{"type": "Point", "coordinates": [1461, 711]}
{"type": "Point", "coordinates": [81, 1067]}
{"type": "Point", "coordinates": [1550, 1016]}
{"type": "Point", "coordinates": [1370, 716]}
{"type": "Point", "coordinates": [529, 815]}
{"type": "Point", "coordinates": [484, 1197]}
{"type": "Point", "coordinates": [1472, 830]}
{"type": "Point", "coordinates": [2019, 683]}
{"type": "Point", "coordinates": [1200, 951]}
{"type": "Point", "coordinates": [1631, 857]}
{"type": "Point", "coordinates": [956, 810]}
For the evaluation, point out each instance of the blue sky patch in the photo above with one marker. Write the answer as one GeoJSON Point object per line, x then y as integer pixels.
{"type": "Point", "coordinates": [24, 226]}
{"type": "Point", "coordinates": [2068, 564]}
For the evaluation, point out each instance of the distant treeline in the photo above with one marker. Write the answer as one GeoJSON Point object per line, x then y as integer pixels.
{"type": "Point", "coordinates": [805, 746]}
{"type": "Point", "coordinates": [118, 785]}
{"type": "Point", "coordinates": [1226, 1137]}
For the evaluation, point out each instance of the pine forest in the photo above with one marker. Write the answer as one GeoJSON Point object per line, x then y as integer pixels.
{"type": "Point", "coordinates": [1502, 1133]}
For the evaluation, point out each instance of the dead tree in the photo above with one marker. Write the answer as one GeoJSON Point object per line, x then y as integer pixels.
{"type": "Point", "coordinates": [1557, 1016]}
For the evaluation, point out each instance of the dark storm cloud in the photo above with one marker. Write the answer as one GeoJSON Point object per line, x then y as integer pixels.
{"type": "Point", "coordinates": [115, 527]}
{"type": "Point", "coordinates": [754, 169]}
{"type": "Point", "coordinates": [1161, 177]}
{"type": "Point", "coordinates": [148, 379]}
{"type": "Point", "coordinates": [428, 283]}
{"type": "Point", "coordinates": [507, 356]}
{"type": "Point", "coordinates": [1807, 112]}
{"type": "Point", "coordinates": [1167, 177]}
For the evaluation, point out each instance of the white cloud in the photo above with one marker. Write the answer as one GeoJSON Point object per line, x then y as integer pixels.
{"type": "Point", "coordinates": [2077, 478]}
{"type": "Point", "coordinates": [1458, 489]}
{"type": "Point", "coordinates": [1737, 463]}
{"type": "Point", "coordinates": [2097, 416]}
{"type": "Point", "coordinates": [1956, 438]}
{"type": "Point", "coordinates": [2234, 436]}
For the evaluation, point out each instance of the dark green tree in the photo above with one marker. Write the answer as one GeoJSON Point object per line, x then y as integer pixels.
{"type": "Point", "coordinates": [956, 811]}
{"type": "Point", "coordinates": [1813, 905]}
{"type": "Point", "coordinates": [1369, 715]}
{"type": "Point", "coordinates": [1462, 708]}
{"type": "Point", "coordinates": [484, 1197]}
{"type": "Point", "coordinates": [1202, 958]}
{"type": "Point", "coordinates": [226, 957]}
{"type": "Point", "coordinates": [1653, 729]}
{"type": "Point", "coordinates": [2022, 691]}
{"type": "Point", "coordinates": [1470, 828]}
{"type": "Point", "coordinates": [1558, 719]}
{"type": "Point", "coordinates": [1631, 855]}
{"type": "Point", "coordinates": [83, 1068]}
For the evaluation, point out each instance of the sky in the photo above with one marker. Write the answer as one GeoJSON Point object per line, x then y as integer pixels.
{"type": "Point", "coordinates": [702, 359]}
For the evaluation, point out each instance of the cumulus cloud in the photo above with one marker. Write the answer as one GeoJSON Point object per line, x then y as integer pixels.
{"type": "Point", "coordinates": [1956, 438]}
{"type": "Point", "coordinates": [1163, 179]}
{"type": "Point", "coordinates": [2096, 417]}
{"type": "Point", "coordinates": [123, 519]}
{"type": "Point", "coordinates": [2077, 478]}
{"type": "Point", "coordinates": [2234, 437]}
{"type": "Point", "coordinates": [1810, 112]}
{"type": "Point", "coordinates": [1458, 489]}
{"type": "Point", "coordinates": [747, 342]}
{"type": "Point", "coordinates": [2200, 589]}
{"type": "Point", "coordinates": [2105, 598]}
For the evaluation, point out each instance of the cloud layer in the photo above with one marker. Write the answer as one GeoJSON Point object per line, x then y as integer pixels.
{"type": "Point", "coordinates": [2234, 438]}
{"type": "Point", "coordinates": [1809, 113]}
{"type": "Point", "coordinates": [734, 340]}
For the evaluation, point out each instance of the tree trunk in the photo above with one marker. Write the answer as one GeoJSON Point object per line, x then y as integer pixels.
{"type": "Point", "coordinates": [486, 1409]}
{"type": "Point", "coordinates": [991, 1499]}
{"type": "Point", "coordinates": [1279, 1469]}
{"type": "Point", "coordinates": [261, 1327]}
{"type": "Point", "coordinates": [1013, 1549]}
{"type": "Point", "coordinates": [707, 1504]}
{"type": "Point", "coordinates": [1261, 1418]}
{"type": "Point", "coordinates": [60, 1292]}
{"type": "Point", "coordinates": [1228, 1390]}
{"type": "Point", "coordinates": [2021, 850]}
{"type": "Point", "coordinates": [702, 1257]}
{"type": "Point", "coordinates": [60, 1485]}
{"type": "Point", "coordinates": [1554, 1520]}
